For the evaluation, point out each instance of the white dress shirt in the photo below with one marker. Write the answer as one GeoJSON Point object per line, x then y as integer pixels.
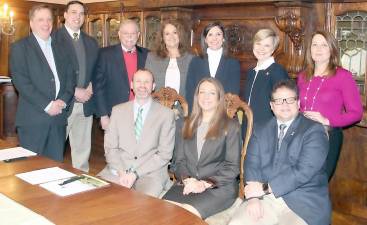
{"type": "Point", "coordinates": [172, 79]}
{"type": "Point", "coordinates": [214, 57]}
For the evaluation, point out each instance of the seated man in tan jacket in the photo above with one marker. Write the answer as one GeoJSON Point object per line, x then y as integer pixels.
{"type": "Point", "coordinates": [139, 140]}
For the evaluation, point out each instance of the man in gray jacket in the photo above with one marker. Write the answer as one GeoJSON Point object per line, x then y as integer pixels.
{"type": "Point", "coordinates": [285, 167]}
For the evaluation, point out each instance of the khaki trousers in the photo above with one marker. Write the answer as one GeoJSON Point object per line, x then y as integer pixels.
{"type": "Point", "coordinates": [276, 212]}
{"type": "Point", "coordinates": [79, 130]}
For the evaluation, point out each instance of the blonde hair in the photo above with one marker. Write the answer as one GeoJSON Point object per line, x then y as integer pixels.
{"type": "Point", "coordinates": [265, 33]}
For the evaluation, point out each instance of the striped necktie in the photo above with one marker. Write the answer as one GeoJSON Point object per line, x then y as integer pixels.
{"type": "Point", "coordinates": [281, 134]}
{"type": "Point", "coordinates": [139, 123]}
{"type": "Point", "coordinates": [75, 36]}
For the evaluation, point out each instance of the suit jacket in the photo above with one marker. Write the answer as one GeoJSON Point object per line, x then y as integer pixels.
{"type": "Point", "coordinates": [34, 81]}
{"type": "Point", "coordinates": [219, 161]}
{"type": "Point", "coordinates": [297, 171]}
{"type": "Point", "coordinates": [62, 37]}
{"type": "Point", "coordinates": [158, 67]}
{"type": "Point", "coordinates": [151, 154]}
{"type": "Point", "coordinates": [111, 83]}
{"type": "Point", "coordinates": [261, 90]}
{"type": "Point", "coordinates": [228, 73]}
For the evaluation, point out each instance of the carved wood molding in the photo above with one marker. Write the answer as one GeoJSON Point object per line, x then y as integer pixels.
{"type": "Point", "coordinates": [293, 26]}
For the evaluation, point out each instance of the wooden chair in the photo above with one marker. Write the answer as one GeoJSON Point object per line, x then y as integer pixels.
{"type": "Point", "coordinates": [168, 96]}
{"type": "Point", "coordinates": [234, 105]}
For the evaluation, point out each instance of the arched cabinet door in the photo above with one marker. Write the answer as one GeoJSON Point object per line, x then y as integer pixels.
{"type": "Point", "coordinates": [96, 26]}
{"type": "Point", "coordinates": [112, 28]}
{"type": "Point", "coordinates": [152, 25]}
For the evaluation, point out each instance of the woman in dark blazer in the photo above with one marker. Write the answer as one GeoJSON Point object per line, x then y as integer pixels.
{"type": "Point", "coordinates": [169, 62]}
{"type": "Point", "coordinates": [214, 62]}
{"type": "Point", "coordinates": [261, 79]}
{"type": "Point", "coordinates": [208, 155]}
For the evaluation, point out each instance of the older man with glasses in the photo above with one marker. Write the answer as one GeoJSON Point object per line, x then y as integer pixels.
{"type": "Point", "coordinates": [285, 167]}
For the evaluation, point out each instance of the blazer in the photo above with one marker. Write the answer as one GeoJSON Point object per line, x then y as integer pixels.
{"type": "Point", "coordinates": [111, 83]}
{"type": "Point", "coordinates": [62, 37]}
{"type": "Point", "coordinates": [151, 154]}
{"type": "Point", "coordinates": [228, 73]}
{"type": "Point", "coordinates": [158, 67]}
{"type": "Point", "coordinates": [34, 81]}
{"type": "Point", "coordinates": [297, 171]}
{"type": "Point", "coordinates": [261, 90]}
{"type": "Point", "coordinates": [219, 161]}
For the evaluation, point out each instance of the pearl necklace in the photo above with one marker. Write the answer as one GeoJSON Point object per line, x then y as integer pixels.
{"type": "Point", "coordinates": [314, 97]}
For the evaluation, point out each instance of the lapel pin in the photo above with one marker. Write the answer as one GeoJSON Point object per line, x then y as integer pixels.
{"type": "Point", "coordinates": [267, 73]}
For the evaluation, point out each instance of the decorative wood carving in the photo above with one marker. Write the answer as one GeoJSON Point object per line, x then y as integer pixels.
{"type": "Point", "coordinates": [293, 26]}
{"type": "Point", "coordinates": [235, 38]}
{"type": "Point", "coordinates": [168, 96]}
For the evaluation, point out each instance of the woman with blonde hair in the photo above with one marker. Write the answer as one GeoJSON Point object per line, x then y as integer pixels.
{"type": "Point", "coordinates": [266, 73]}
{"type": "Point", "coordinates": [208, 154]}
{"type": "Point", "coordinates": [328, 93]}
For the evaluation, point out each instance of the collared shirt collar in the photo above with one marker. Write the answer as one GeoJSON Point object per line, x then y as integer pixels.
{"type": "Point", "coordinates": [265, 64]}
{"type": "Point", "coordinates": [42, 42]}
{"type": "Point", "coordinates": [145, 107]}
{"type": "Point", "coordinates": [288, 124]}
{"type": "Point", "coordinates": [71, 32]}
{"type": "Point", "coordinates": [126, 50]}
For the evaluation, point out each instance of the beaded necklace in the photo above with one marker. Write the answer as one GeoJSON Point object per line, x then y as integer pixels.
{"type": "Point", "coordinates": [314, 97]}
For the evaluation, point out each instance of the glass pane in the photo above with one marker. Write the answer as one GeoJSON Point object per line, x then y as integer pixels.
{"type": "Point", "coordinates": [96, 31]}
{"type": "Point", "coordinates": [152, 26]}
{"type": "Point", "coordinates": [351, 33]}
{"type": "Point", "coordinates": [113, 29]}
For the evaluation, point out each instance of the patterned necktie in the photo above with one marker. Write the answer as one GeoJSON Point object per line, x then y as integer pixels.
{"type": "Point", "coordinates": [75, 36]}
{"type": "Point", "coordinates": [139, 123]}
{"type": "Point", "coordinates": [281, 134]}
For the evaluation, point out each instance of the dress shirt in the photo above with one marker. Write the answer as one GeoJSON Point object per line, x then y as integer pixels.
{"type": "Point", "coordinates": [47, 51]}
{"type": "Point", "coordinates": [71, 32]}
{"type": "Point", "coordinates": [262, 66]}
{"type": "Point", "coordinates": [288, 124]}
{"type": "Point", "coordinates": [145, 107]}
{"type": "Point", "coordinates": [173, 75]}
{"type": "Point", "coordinates": [128, 50]}
{"type": "Point", "coordinates": [214, 57]}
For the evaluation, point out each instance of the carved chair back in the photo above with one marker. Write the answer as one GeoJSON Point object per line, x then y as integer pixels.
{"type": "Point", "coordinates": [235, 104]}
{"type": "Point", "coordinates": [168, 96]}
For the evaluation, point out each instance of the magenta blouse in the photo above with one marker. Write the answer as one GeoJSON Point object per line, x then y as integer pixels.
{"type": "Point", "coordinates": [336, 98]}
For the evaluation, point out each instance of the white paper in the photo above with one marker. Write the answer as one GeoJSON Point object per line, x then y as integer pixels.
{"type": "Point", "coordinates": [67, 189]}
{"type": "Point", "coordinates": [45, 175]}
{"type": "Point", "coordinates": [74, 187]}
{"type": "Point", "coordinates": [11, 153]}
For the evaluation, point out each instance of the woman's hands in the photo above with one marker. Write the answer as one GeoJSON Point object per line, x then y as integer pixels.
{"type": "Point", "coordinates": [192, 185]}
{"type": "Point", "coordinates": [316, 116]}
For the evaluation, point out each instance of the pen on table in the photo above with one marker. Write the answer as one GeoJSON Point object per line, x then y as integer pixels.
{"type": "Point", "coordinates": [72, 179]}
{"type": "Point", "coordinates": [15, 159]}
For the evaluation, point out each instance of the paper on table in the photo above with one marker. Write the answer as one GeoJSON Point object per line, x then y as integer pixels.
{"type": "Point", "coordinates": [44, 175]}
{"type": "Point", "coordinates": [12, 212]}
{"type": "Point", "coordinates": [11, 153]}
{"type": "Point", "coordinates": [85, 183]}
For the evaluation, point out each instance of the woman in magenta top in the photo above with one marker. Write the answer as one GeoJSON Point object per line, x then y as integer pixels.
{"type": "Point", "coordinates": [328, 93]}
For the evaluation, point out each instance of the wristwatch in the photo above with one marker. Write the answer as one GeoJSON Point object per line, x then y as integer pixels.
{"type": "Point", "coordinates": [266, 188]}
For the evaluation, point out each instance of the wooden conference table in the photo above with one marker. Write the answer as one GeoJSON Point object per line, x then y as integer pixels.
{"type": "Point", "coordinates": [110, 205]}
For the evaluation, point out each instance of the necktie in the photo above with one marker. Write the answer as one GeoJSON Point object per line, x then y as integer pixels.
{"type": "Point", "coordinates": [75, 36]}
{"type": "Point", "coordinates": [281, 134]}
{"type": "Point", "coordinates": [139, 123]}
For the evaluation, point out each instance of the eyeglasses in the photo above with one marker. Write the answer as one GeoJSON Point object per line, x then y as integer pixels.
{"type": "Point", "coordinates": [129, 34]}
{"type": "Point", "coordinates": [280, 101]}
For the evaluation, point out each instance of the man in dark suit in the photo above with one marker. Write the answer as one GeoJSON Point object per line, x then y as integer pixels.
{"type": "Point", "coordinates": [115, 68]}
{"type": "Point", "coordinates": [285, 167]}
{"type": "Point", "coordinates": [83, 52]}
{"type": "Point", "coordinates": [41, 74]}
